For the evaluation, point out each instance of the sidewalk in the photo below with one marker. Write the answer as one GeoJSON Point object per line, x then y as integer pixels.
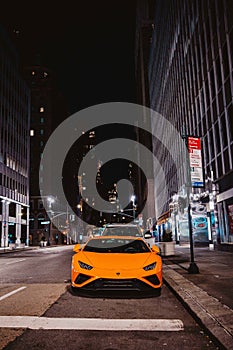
{"type": "Point", "coordinates": [209, 294]}
{"type": "Point", "coordinates": [26, 248]}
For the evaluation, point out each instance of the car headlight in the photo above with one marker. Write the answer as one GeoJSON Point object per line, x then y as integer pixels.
{"type": "Point", "coordinates": [149, 267]}
{"type": "Point", "coordinates": [85, 266]}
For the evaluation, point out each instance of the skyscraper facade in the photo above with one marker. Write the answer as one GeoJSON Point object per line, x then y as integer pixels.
{"type": "Point", "coordinates": [14, 148]}
{"type": "Point", "coordinates": [191, 85]}
{"type": "Point", "coordinates": [145, 12]}
{"type": "Point", "coordinates": [48, 110]}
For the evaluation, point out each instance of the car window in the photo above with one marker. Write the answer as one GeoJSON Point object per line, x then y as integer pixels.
{"type": "Point", "coordinates": [122, 231]}
{"type": "Point", "coordinates": [116, 246]}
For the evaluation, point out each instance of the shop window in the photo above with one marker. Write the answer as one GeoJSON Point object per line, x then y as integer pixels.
{"type": "Point", "coordinates": [41, 220]}
{"type": "Point", "coordinates": [31, 222]}
{"type": "Point", "coordinates": [24, 213]}
{"type": "Point", "coordinates": [12, 209]}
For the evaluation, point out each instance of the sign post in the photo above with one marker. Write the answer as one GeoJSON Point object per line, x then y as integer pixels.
{"type": "Point", "coordinates": [194, 179]}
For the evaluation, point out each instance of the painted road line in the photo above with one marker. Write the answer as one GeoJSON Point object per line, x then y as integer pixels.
{"type": "Point", "coordinates": [99, 324]}
{"type": "Point", "coordinates": [11, 293]}
{"type": "Point", "coordinates": [15, 261]}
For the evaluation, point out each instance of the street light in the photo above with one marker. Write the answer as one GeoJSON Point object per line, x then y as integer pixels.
{"type": "Point", "coordinates": [50, 200]}
{"type": "Point", "coordinates": [133, 197]}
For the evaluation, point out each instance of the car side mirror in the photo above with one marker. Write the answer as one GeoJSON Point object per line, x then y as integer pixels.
{"type": "Point", "coordinates": [155, 248]}
{"type": "Point", "coordinates": [147, 234]}
{"type": "Point", "coordinates": [77, 248]}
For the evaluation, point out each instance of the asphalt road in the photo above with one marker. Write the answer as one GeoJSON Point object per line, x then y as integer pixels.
{"type": "Point", "coordinates": [34, 285]}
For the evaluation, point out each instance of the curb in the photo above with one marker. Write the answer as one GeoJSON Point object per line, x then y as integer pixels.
{"type": "Point", "coordinates": [214, 316]}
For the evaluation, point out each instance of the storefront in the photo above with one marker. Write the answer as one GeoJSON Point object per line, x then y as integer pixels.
{"type": "Point", "coordinates": [225, 217]}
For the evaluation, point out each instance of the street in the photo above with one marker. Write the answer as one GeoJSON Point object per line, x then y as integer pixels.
{"type": "Point", "coordinates": [35, 285]}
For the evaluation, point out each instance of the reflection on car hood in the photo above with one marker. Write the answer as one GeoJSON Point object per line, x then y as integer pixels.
{"type": "Point", "coordinates": [117, 260]}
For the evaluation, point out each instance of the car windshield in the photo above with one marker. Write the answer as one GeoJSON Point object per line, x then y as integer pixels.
{"type": "Point", "coordinates": [122, 231]}
{"type": "Point", "coordinates": [114, 245]}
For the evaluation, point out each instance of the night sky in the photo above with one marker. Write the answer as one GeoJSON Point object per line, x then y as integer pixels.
{"type": "Point", "coordinates": [90, 47]}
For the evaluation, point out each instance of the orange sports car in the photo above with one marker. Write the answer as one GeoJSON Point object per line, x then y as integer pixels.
{"type": "Point", "coordinates": [114, 263]}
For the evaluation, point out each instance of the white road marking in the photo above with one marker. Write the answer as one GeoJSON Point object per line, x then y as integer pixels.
{"type": "Point", "coordinates": [15, 261]}
{"type": "Point", "coordinates": [100, 324]}
{"type": "Point", "coordinates": [11, 293]}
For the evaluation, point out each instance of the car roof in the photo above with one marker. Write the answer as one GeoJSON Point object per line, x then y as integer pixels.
{"type": "Point", "coordinates": [117, 237]}
{"type": "Point", "coordinates": [121, 225]}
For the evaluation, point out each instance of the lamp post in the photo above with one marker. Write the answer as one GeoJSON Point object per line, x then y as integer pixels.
{"type": "Point", "coordinates": [50, 200]}
{"type": "Point", "coordinates": [133, 201]}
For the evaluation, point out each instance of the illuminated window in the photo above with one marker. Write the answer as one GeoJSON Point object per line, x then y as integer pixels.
{"type": "Point", "coordinates": [42, 120]}
{"type": "Point", "coordinates": [32, 132]}
{"type": "Point", "coordinates": [41, 109]}
{"type": "Point", "coordinates": [33, 73]}
{"type": "Point", "coordinates": [45, 74]}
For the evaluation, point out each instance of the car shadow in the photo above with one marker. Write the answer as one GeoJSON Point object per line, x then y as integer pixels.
{"type": "Point", "coordinates": [112, 294]}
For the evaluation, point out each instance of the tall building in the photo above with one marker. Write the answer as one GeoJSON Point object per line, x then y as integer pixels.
{"type": "Point", "coordinates": [191, 84]}
{"type": "Point", "coordinates": [145, 11]}
{"type": "Point", "coordinates": [14, 148]}
{"type": "Point", "coordinates": [48, 109]}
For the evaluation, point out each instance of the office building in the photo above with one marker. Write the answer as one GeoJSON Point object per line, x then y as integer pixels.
{"type": "Point", "coordinates": [48, 110]}
{"type": "Point", "coordinates": [14, 148]}
{"type": "Point", "coordinates": [145, 12]}
{"type": "Point", "coordinates": [191, 85]}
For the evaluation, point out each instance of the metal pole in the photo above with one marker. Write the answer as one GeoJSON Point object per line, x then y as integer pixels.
{"type": "Point", "coordinates": [193, 268]}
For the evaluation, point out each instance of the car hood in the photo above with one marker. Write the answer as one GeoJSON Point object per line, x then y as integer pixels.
{"type": "Point", "coordinates": [117, 260]}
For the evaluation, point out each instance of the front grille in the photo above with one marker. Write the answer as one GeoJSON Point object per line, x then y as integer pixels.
{"type": "Point", "coordinates": [105, 284]}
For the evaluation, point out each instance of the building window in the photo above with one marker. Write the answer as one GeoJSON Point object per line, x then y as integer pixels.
{"type": "Point", "coordinates": [32, 132]}
{"type": "Point", "coordinates": [40, 204]}
{"type": "Point", "coordinates": [42, 131]}
{"type": "Point", "coordinates": [42, 120]}
{"type": "Point", "coordinates": [41, 109]}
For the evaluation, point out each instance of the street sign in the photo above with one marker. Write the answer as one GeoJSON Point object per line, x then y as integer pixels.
{"type": "Point", "coordinates": [195, 159]}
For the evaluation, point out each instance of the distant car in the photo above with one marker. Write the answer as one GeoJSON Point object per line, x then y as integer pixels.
{"type": "Point", "coordinates": [122, 230]}
{"type": "Point", "coordinates": [97, 231]}
{"type": "Point", "coordinates": [110, 263]}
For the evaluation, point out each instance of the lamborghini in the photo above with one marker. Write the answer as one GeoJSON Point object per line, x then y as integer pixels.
{"type": "Point", "coordinates": [111, 263]}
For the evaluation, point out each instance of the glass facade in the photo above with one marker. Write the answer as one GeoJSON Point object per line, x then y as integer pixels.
{"type": "Point", "coordinates": [191, 84]}
{"type": "Point", "coordinates": [14, 146]}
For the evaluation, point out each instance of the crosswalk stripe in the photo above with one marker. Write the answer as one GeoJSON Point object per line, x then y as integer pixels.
{"type": "Point", "coordinates": [100, 324]}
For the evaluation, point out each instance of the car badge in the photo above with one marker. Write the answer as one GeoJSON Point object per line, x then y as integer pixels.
{"type": "Point", "coordinates": [118, 273]}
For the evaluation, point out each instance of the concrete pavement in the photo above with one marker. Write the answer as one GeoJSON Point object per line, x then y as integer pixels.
{"type": "Point", "coordinates": [209, 294]}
